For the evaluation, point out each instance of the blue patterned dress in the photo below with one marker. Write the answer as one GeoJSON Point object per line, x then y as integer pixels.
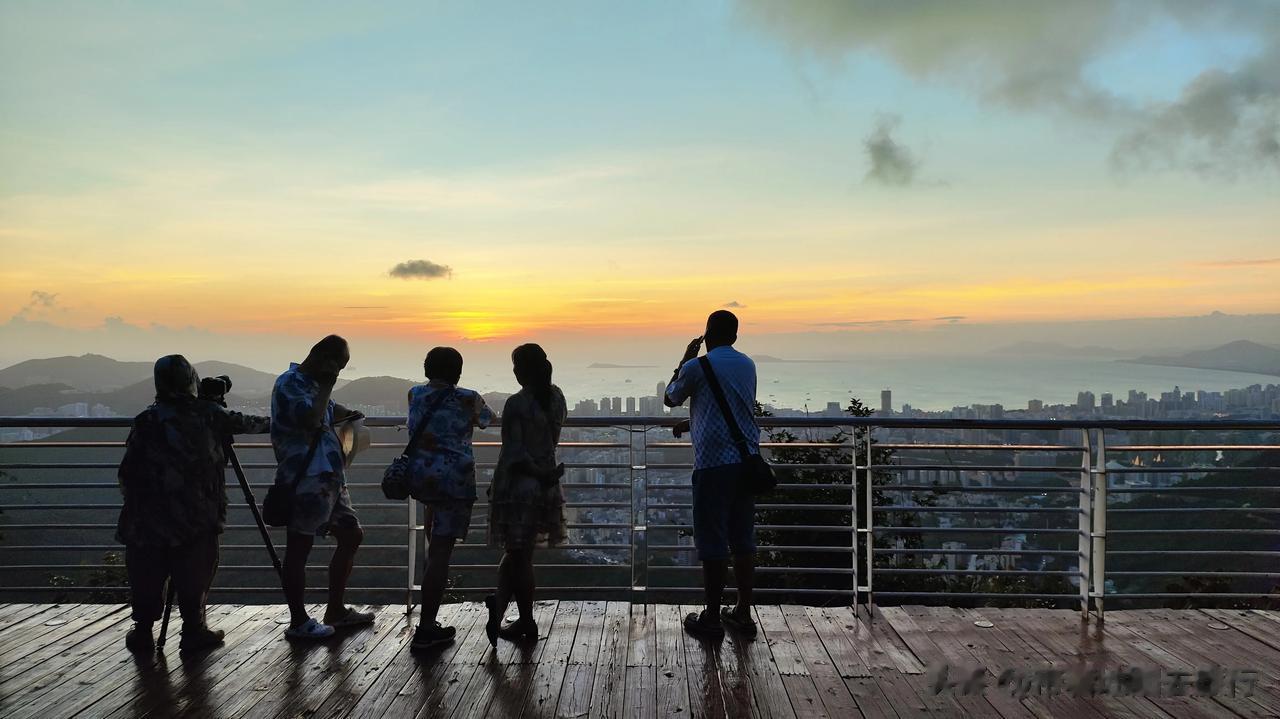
{"type": "Point", "coordinates": [444, 452]}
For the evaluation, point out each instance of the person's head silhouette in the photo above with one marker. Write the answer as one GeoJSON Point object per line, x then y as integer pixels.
{"type": "Point", "coordinates": [722, 329]}
{"type": "Point", "coordinates": [443, 364]}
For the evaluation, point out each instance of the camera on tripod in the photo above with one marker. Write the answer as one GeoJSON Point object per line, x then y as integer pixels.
{"type": "Point", "coordinates": [215, 389]}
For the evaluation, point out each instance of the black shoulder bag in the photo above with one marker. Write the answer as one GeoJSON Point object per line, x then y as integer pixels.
{"type": "Point", "coordinates": [396, 482]}
{"type": "Point", "coordinates": [277, 506]}
{"type": "Point", "coordinates": [760, 477]}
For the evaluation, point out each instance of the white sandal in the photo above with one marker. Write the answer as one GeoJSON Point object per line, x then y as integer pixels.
{"type": "Point", "coordinates": [310, 630]}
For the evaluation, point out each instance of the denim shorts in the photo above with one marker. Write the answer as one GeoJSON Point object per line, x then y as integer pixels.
{"type": "Point", "coordinates": [322, 503]}
{"type": "Point", "coordinates": [724, 513]}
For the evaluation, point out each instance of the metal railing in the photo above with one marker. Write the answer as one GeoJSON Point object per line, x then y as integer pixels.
{"type": "Point", "coordinates": [867, 508]}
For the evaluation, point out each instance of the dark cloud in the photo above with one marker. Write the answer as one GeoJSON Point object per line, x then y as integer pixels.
{"type": "Point", "coordinates": [734, 304]}
{"type": "Point", "coordinates": [1037, 56]}
{"type": "Point", "coordinates": [420, 270]}
{"type": "Point", "coordinates": [950, 318]}
{"type": "Point", "coordinates": [891, 162]}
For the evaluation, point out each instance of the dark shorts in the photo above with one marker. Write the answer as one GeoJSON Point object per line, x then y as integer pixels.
{"type": "Point", "coordinates": [724, 513]}
{"type": "Point", "coordinates": [321, 503]}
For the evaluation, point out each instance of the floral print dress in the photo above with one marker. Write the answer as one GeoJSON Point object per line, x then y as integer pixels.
{"type": "Point", "coordinates": [523, 510]}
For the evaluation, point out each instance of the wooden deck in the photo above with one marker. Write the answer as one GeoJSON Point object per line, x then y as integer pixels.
{"type": "Point", "coordinates": [605, 659]}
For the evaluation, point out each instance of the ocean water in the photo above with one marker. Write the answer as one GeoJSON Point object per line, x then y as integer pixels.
{"type": "Point", "coordinates": [930, 383]}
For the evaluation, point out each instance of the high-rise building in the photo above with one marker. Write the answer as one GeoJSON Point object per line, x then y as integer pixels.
{"type": "Point", "coordinates": [1108, 401]}
{"type": "Point", "coordinates": [605, 407]}
{"type": "Point", "coordinates": [662, 390]}
{"type": "Point", "coordinates": [615, 406]}
{"type": "Point", "coordinates": [1086, 401]}
{"type": "Point", "coordinates": [886, 401]}
{"type": "Point", "coordinates": [631, 405]}
{"type": "Point", "coordinates": [1035, 405]}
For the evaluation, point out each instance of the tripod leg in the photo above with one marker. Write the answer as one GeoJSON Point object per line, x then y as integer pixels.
{"type": "Point", "coordinates": [168, 609]}
{"type": "Point", "coordinates": [252, 501]}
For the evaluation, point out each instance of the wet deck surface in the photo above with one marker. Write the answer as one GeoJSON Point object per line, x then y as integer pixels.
{"type": "Point", "coordinates": [615, 659]}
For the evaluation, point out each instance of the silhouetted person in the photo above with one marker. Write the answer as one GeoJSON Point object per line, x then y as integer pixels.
{"type": "Point", "coordinates": [175, 502]}
{"type": "Point", "coordinates": [303, 413]}
{"type": "Point", "coordinates": [723, 506]}
{"type": "Point", "coordinates": [526, 502]}
{"type": "Point", "coordinates": [444, 466]}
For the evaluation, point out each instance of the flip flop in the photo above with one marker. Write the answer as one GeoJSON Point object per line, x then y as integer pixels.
{"type": "Point", "coordinates": [352, 618]}
{"type": "Point", "coordinates": [310, 631]}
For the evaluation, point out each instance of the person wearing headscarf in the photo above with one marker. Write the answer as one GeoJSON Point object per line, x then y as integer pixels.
{"type": "Point", "coordinates": [526, 502]}
{"type": "Point", "coordinates": [175, 502]}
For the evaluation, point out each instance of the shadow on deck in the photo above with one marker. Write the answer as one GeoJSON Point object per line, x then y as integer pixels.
{"type": "Point", "coordinates": [612, 659]}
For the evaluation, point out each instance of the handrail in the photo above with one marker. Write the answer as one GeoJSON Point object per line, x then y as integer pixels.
{"type": "Point", "coordinates": [647, 530]}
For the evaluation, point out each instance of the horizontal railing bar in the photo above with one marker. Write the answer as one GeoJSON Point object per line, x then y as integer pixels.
{"type": "Point", "coordinates": [1196, 510]}
{"type": "Point", "coordinates": [981, 447]}
{"type": "Point", "coordinates": [977, 595]}
{"type": "Point", "coordinates": [777, 527]}
{"type": "Point", "coordinates": [1188, 595]}
{"type": "Point", "coordinates": [1003, 510]}
{"type": "Point", "coordinates": [1264, 532]}
{"type": "Point", "coordinates": [1193, 552]}
{"type": "Point", "coordinates": [1188, 470]}
{"type": "Point", "coordinates": [841, 571]}
{"type": "Point", "coordinates": [970, 468]}
{"type": "Point", "coordinates": [1190, 490]}
{"type": "Point", "coordinates": [224, 547]}
{"type": "Point", "coordinates": [1241, 575]}
{"type": "Point", "coordinates": [1057, 552]}
{"type": "Point", "coordinates": [1133, 425]}
{"type": "Point", "coordinates": [973, 490]}
{"type": "Point", "coordinates": [975, 530]}
{"type": "Point", "coordinates": [984, 572]}
{"type": "Point", "coordinates": [1192, 447]}
{"type": "Point", "coordinates": [759, 548]}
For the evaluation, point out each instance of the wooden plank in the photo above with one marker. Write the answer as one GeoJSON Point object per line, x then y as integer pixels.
{"type": "Point", "coordinates": [641, 681]}
{"type": "Point", "coordinates": [97, 675]}
{"type": "Point", "coordinates": [56, 663]}
{"type": "Point", "coordinates": [156, 684]}
{"type": "Point", "coordinates": [439, 679]}
{"type": "Point", "coordinates": [669, 662]}
{"type": "Point", "coordinates": [835, 695]}
{"type": "Point", "coordinates": [1168, 649]}
{"type": "Point", "coordinates": [1257, 625]}
{"type": "Point", "coordinates": [28, 652]}
{"type": "Point", "coordinates": [554, 661]}
{"type": "Point", "coordinates": [799, 696]}
{"type": "Point", "coordinates": [1227, 649]}
{"type": "Point", "coordinates": [580, 672]}
{"type": "Point", "coordinates": [838, 637]}
{"type": "Point", "coordinates": [608, 693]}
{"type": "Point", "coordinates": [928, 642]}
{"type": "Point", "coordinates": [378, 671]}
{"type": "Point", "coordinates": [734, 662]}
{"type": "Point", "coordinates": [528, 652]}
{"type": "Point", "coordinates": [706, 695]}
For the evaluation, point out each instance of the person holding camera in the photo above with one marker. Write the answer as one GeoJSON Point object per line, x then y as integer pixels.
{"type": "Point", "coordinates": [526, 503]}
{"type": "Point", "coordinates": [309, 463]}
{"type": "Point", "coordinates": [175, 500]}
{"type": "Point", "coordinates": [723, 504]}
{"type": "Point", "coordinates": [442, 416]}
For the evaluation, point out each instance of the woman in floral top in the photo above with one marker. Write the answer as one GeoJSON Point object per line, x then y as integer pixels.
{"type": "Point", "coordinates": [526, 503]}
{"type": "Point", "coordinates": [443, 460]}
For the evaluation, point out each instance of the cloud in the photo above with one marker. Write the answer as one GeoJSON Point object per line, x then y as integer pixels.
{"type": "Point", "coordinates": [420, 270]}
{"type": "Point", "coordinates": [39, 303]}
{"type": "Point", "coordinates": [950, 318]}
{"type": "Point", "coordinates": [734, 304]}
{"type": "Point", "coordinates": [1037, 56]}
{"type": "Point", "coordinates": [1263, 262]}
{"type": "Point", "coordinates": [891, 162]}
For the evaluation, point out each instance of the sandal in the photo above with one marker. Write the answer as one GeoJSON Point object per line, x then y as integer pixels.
{"type": "Point", "coordinates": [351, 618]}
{"type": "Point", "coordinates": [520, 630]}
{"type": "Point", "coordinates": [310, 630]}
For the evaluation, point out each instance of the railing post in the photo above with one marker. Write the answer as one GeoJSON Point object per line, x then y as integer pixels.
{"type": "Point", "coordinates": [639, 474]}
{"type": "Point", "coordinates": [1099, 532]}
{"type": "Point", "coordinates": [1084, 562]}
{"type": "Point", "coordinates": [868, 500]}
{"type": "Point", "coordinates": [853, 517]}
{"type": "Point", "coordinates": [413, 552]}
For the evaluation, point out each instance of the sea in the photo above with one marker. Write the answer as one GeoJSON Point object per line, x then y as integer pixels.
{"type": "Point", "coordinates": [928, 383]}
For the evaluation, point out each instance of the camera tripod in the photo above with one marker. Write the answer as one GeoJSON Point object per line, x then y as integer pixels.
{"type": "Point", "coordinates": [250, 500]}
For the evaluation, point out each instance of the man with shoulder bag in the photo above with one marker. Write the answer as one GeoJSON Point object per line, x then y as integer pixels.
{"type": "Point", "coordinates": [310, 493]}
{"type": "Point", "coordinates": [728, 471]}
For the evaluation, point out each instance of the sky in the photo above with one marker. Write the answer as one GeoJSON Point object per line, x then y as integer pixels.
{"type": "Point", "coordinates": [243, 178]}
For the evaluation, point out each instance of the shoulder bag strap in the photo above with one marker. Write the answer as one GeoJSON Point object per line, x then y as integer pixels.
{"type": "Point", "coordinates": [734, 430]}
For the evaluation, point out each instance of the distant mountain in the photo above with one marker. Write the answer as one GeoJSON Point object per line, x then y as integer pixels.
{"type": "Point", "coordinates": [1238, 356]}
{"type": "Point", "coordinates": [89, 373]}
{"type": "Point", "coordinates": [607, 365]}
{"type": "Point", "coordinates": [389, 392]}
{"type": "Point", "coordinates": [96, 373]}
{"type": "Point", "coordinates": [1054, 349]}
{"type": "Point", "coordinates": [769, 359]}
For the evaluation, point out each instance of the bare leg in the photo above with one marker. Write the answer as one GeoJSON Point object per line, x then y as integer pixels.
{"type": "Point", "coordinates": [524, 585]}
{"type": "Point", "coordinates": [435, 576]}
{"type": "Point", "coordinates": [714, 574]}
{"type": "Point", "coordinates": [507, 578]}
{"type": "Point", "coordinates": [344, 558]}
{"type": "Point", "coordinates": [297, 549]}
{"type": "Point", "coordinates": [744, 572]}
